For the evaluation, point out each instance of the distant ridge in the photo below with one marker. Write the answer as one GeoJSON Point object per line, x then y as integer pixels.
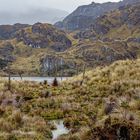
{"type": "Point", "coordinates": [84, 15]}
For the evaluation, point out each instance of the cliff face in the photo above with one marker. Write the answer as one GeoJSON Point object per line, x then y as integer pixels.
{"type": "Point", "coordinates": [6, 54]}
{"type": "Point", "coordinates": [56, 64]}
{"type": "Point", "coordinates": [83, 16]}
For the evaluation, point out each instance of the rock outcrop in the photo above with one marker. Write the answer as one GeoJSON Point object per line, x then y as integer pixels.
{"type": "Point", "coordinates": [44, 35]}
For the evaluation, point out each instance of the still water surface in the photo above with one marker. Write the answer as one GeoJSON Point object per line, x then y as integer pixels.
{"type": "Point", "coordinates": [60, 129]}
{"type": "Point", "coordinates": [38, 79]}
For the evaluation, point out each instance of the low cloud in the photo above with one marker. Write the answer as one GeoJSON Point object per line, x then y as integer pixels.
{"type": "Point", "coordinates": [31, 11]}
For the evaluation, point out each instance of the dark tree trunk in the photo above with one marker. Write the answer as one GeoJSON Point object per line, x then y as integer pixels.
{"type": "Point", "coordinates": [9, 82]}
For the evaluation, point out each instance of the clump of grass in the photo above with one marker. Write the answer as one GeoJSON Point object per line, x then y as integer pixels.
{"type": "Point", "coordinates": [17, 117]}
{"type": "Point", "coordinates": [6, 126]}
{"type": "Point", "coordinates": [2, 111]}
{"type": "Point", "coordinates": [131, 117]}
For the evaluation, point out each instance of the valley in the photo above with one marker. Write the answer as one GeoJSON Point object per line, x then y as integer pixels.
{"type": "Point", "coordinates": [78, 79]}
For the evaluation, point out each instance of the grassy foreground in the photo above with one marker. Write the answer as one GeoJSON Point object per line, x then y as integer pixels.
{"type": "Point", "coordinates": [105, 106]}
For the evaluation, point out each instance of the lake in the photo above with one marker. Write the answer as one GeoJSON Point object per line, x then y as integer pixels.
{"type": "Point", "coordinates": [38, 79]}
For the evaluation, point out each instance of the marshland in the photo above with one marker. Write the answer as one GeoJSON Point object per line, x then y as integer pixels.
{"type": "Point", "coordinates": [108, 100]}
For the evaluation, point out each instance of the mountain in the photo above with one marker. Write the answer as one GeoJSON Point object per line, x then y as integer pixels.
{"type": "Point", "coordinates": [83, 16]}
{"type": "Point", "coordinates": [111, 37]}
{"type": "Point", "coordinates": [27, 45]}
{"type": "Point", "coordinates": [32, 16]}
{"type": "Point", "coordinates": [42, 49]}
{"type": "Point", "coordinates": [119, 24]}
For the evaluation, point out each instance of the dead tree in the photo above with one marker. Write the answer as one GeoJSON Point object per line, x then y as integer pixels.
{"type": "Point", "coordinates": [20, 73]}
{"type": "Point", "coordinates": [61, 70]}
{"type": "Point", "coordinates": [55, 68]}
{"type": "Point", "coordinates": [9, 81]}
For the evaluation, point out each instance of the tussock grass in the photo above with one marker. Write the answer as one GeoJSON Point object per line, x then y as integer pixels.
{"type": "Point", "coordinates": [112, 91]}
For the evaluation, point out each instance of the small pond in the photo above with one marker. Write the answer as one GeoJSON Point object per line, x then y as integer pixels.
{"type": "Point", "coordinates": [60, 129]}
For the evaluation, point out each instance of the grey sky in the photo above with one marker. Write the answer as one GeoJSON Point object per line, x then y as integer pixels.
{"type": "Point", "coordinates": [32, 11]}
{"type": "Point", "coordinates": [22, 5]}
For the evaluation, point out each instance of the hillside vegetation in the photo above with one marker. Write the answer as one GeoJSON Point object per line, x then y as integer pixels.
{"type": "Point", "coordinates": [114, 36]}
{"type": "Point", "coordinates": [105, 105]}
{"type": "Point", "coordinates": [23, 45]}
{"type": "Point", "coordinates": [85, 15]}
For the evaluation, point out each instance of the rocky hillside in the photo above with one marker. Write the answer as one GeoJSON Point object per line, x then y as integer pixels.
{"type": "Point", "coordinates": [83, 16]}
{"type": "Point", "coordinates": [26, 45]}
{"type": "Point", "coordinates": [8, 31]}
{"type": "Point", "coordinates": [111, 37]}
{"type": "Point", "coordinates": [42, 36]}
{"type": "Point", "coordinates": [36, 36]}
{"type": "Point", "coordinates": [120, 24]}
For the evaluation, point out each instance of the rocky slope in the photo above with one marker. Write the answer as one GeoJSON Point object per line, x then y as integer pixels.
{"type": "Point", "coordinates": [44, 35]}
{"type": "Point", "coordinates": [83, 16]}
{"type": "Point", "coordinates": [111, 37]}
{"type": "Point", "coordinates": [120, 24]}
{"type": "Point", "coordinates": [8, 31]}
{"type": "Point", "coordinates": [36, 36]}
{"type": "Point", "coordinates": [27, 45]}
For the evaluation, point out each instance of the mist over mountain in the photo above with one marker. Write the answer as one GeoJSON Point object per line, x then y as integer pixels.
{"type": "Point", "coordinates": [85, 15]}
{"type": "Point", "coordinates": [32, 16]}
